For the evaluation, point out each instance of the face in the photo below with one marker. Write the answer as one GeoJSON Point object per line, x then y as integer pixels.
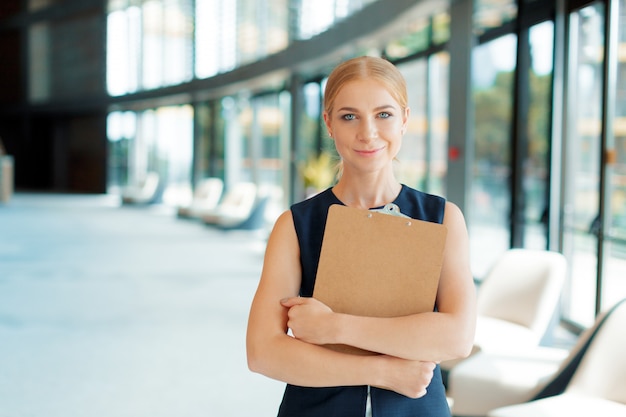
{"type": "Point", "coordinates": [367, 125]}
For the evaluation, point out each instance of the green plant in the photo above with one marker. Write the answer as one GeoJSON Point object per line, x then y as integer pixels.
{"type": "Point", "coordinates": [319, 171]}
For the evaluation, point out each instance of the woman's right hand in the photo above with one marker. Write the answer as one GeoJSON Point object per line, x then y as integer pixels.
{"type": "Point", "coordinates": [406, 377]}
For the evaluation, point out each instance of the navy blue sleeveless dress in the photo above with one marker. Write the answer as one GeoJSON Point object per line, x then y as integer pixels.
{"type": "Point", "coordinates": [309, 218]}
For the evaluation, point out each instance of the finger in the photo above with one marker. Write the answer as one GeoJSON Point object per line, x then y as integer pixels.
{"type": "Point", "coordinates": [291, 301]}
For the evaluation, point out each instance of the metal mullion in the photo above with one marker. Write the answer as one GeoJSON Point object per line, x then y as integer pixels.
{"type": "Point", "coordinates": [608, 112]}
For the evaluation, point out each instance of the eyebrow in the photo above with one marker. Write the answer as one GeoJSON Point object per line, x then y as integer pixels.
{"type": "Point", "coordinates": [379, 108]}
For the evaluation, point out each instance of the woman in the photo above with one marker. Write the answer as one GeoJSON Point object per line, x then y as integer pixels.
{"type": "Point", "coordinates": [366, 114]}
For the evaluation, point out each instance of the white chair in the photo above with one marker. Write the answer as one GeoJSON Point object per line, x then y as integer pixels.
{"type": "Point", "coordinates": [516, 302]}
{"type": "Point", "coordinates": [489, 380]}
{"type": "Point", "coordinates": [205, 198]}
{"type": "Point", "coordinates": [518, 299]}
{"type": "Point", "coordinates": [144, 191]}
{"type": "Point", "coordinates": [592, 381]}
{"type": "Point", "coordinates": [234, 207]}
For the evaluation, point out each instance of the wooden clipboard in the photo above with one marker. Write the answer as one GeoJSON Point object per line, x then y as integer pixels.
{"type": "Point", "coordinates": [378, 265]}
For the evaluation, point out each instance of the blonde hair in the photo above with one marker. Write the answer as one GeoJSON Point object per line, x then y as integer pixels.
{"type": "Point", "coordinates": [370, 67]}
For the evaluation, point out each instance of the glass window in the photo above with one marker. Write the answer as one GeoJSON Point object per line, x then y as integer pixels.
{"type": "Point", "coordinates": [582, 147]}
{"type": "Point", "coordinates": [123, 50]}
{"type": "Point", "coordinates": [121, 132]}
{"type": "Point", "coordinates": [174, 149]}
{"type": "Point", "coordinates": [411, 163]}
{"type": "Point", "coordinates": [536, 164]}
{"type": "Point", "coordinates": [614, 280]}
{"type": "Point", "coordinates": [416, 40]}
{"type": "Point", "coordinates": [152, 44]}
{"type": "Point", "coordinates": [309, 136]}
{"type": "Point", "coordinates": [159, 141]}
{"type": "Point", "coordinates": [177, 42]}
{"type": "Point", "coordinates": [144, 48]}
{"type": "Point", "coordinates": [256, 140]}
{"type": "Point", "coordinates": [441, 27]}
{"type": "Point", "coordinates": [490, 196]}
{"type": "Point", "coordinates": [315, 16]}
{"type": "Point", "coordinates": [489, 14]}
{"type": "Point", "coordinates": [210, 140]}
{"type": "Point", "coordinates": [422, 160]}
{"type": "Point", "coordinates": [39, 88]}
{"type": "Point", "coordinates": [439, 81]}
{"type": "Point", "coordinates": [421, 34]}
{"type": "Point", "coordinates": [216, 26]}
{"type": "Point", "coordinates": [261, 29]}
{"type": "Point", "coordinates": [167, 43]}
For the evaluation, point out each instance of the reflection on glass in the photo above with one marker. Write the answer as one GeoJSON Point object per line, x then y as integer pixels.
{"type": "Point", "coordinates": [489, 217]}
{"type": "Point", "coordinates": [583, 161]}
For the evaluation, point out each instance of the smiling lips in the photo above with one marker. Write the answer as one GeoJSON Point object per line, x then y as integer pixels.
{"type": "Point", "coordinates": [367, 152]}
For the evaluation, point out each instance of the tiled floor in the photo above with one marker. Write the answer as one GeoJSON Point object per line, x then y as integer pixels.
{"type": "Point", "coordinates": [109, 311]}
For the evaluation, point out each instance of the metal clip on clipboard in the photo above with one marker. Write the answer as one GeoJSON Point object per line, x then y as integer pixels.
{"type": "Point", "coordinates": [391, 209]}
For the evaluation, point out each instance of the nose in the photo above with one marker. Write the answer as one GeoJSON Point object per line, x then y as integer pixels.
{"type": "Point", "coordinates": [368, 130]}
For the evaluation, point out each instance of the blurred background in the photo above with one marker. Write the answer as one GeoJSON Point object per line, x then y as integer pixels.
{"type": "Point", "coordinates": [118, 112]}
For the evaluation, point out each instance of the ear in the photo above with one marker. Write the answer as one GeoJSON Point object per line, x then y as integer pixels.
{"type": "Point", "coordinates": [327, 123]}
{"type": "Point", "coordinates": [405, 119]}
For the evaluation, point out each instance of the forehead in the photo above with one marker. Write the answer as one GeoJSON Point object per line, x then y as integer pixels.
{"type": "Point", "coordinates": [364, 91]}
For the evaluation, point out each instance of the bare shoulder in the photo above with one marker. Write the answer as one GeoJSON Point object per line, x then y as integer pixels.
{"type": "Point", "coordinates": [456, 252]}
{"type": "Point", "coordinates": [283, 251]}
{"type": "Point", "coordinates": [453, 216]}
{"type": "Point", "coordinates": [283, 228]}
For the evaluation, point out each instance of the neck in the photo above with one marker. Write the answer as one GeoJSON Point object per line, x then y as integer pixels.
{"type": "Point", "coordinates": [366, 193]}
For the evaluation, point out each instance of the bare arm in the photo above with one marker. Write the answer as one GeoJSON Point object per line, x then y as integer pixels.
{"type": "Point", "coordinates": [437, 336]}
{"type": "Point", "coordinates": [272, 352]}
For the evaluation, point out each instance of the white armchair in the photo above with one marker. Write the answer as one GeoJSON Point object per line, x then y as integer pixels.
{"type": "Point", "coordinates": [518, 299]}
{"type": "Point", "coordinates": [144, 191]}
{"type": "Point", "coordinates": [206, 197]}
{"type": "Point", "coordinates": [592, 382]}
{"type": "Point", "coordinates": [235, 207]}
{"type": "Point", "coordinates": [516, 302]}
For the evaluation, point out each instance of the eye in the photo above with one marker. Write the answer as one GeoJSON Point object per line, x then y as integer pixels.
{"type": "Point", "coordinates": [384, 115]}
{"type": "Point", "coordinates": [348, 116]}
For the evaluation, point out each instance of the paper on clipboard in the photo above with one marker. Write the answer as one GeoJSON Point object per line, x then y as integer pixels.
{"type": "Point", "coordinates": [378, 265]}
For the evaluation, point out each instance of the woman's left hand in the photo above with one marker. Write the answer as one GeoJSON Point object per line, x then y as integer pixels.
{"type": "Point", "coordinates": [310, 320]}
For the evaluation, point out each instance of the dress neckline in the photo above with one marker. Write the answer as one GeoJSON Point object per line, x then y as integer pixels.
{"type": "Point", "coordinates": [395, 200]}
